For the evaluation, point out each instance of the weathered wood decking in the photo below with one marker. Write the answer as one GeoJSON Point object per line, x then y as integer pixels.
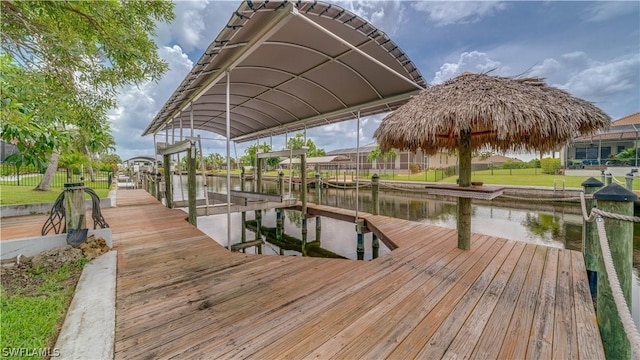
{"type": "Point", "coordinates": [180, 294]}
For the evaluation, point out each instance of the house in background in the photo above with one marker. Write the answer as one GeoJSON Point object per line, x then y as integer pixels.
{"type": "Point", "coordinates": [495, 161]}
{"type": "Point", "coordinates": [400, 163]}
{"type": "Point", "coordinates": [7, 149]}
{"type": "Point", "coordinates": [599, 149]}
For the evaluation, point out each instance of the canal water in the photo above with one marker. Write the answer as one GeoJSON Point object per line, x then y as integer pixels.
{"type": "Point", "coordinates": [554, 225]}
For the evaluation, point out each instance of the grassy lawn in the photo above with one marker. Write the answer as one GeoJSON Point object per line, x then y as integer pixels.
{"type": "Point", "coordinates": [10, 194]}
{"type": "Point", "coordinates": [34, 305]}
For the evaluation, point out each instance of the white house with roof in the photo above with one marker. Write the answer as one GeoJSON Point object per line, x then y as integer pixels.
{"type": "Point", "coordinates": [601, 149]}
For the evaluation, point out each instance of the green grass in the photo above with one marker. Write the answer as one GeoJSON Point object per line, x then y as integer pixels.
{"type": "Point", "coordinates": [31, 317]}
{"type": "Point", "coordinates": [11, 194]}
{"type": "Point", "coordinates": [522, 177]}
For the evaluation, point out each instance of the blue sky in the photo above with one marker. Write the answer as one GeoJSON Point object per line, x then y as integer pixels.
{"type": "Point", "coordinates": [591, 49]}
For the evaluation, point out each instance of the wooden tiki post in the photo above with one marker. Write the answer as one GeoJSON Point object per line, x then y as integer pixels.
{"type": "Point", "coordinates": [464, 204]}
{"type": "Point", "coordinates": [615, 199]}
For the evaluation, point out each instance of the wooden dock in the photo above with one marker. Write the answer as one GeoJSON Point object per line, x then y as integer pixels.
{"type": "Point", "coordinates": [181, 295]}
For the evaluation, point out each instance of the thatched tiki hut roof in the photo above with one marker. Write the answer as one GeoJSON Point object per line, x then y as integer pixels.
{"type": "Point", "coordinates": [474, 111]}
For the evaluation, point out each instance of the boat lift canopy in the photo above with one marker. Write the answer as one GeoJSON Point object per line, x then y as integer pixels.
{"type": "Point", "coordinates": [289, 66]}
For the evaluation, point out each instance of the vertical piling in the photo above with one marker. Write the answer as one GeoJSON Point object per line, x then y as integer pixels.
{"type": "Point", "coordinates": [191, 185]}
{"type": "Point", "coordinates": [152, 184]}
{"type": "Point", "coordinates": [615, 199]}
{"type": "Point", "coordinates": [243, 234]}
{"type": "Point", "coordinates": [590, 242]}
{"type": "Point", "coordinates": [258, 213]}
{"type": "Point", "coordinates": [168, 187]}
{"type": "Point", "coordinates": [375, 186]}
{"type": "Point", "coordinates": [318, 202]}
{"type": "Point", "coordinates": [608, 178]}
{"type": "Point", "coordinates": [159, 189]}
{"type": "Point", "coordinates": [629, 179]}
{"type": "Point", "coordinates": [280, 211]}
{"type": "Point", "coordinates": [303, 198]}
{"type": "Point", "coordinates": [360, 245]}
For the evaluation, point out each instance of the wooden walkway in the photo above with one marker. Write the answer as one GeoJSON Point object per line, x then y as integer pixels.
{"type": "Point", "coordinates": [181, 295]}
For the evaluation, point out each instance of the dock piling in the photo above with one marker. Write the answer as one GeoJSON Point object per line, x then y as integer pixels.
{"type": "Point", "coordinates": [318, 202]}
{"type": "Point", "coordinates": [191, 185]}
{"type": "Point", "coordinates": [615, 199]}
{"type": "Point", "coordinates": [360, 246]}
{"type": "Point", "coordinates": [590, 245]}
{"type": "Point", "coordinates": [168, 186]}
{"type": "Point", "coordinates": [279, 211]}
{"type": "Point", "coordinates": [243, 215]}
{"type": "Point", "coordinates": [629, 181]}
{"type": "Point", "coordinates": [375, 187]}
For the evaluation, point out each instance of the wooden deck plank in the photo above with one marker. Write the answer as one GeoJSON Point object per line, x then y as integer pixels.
{"type": "Point", "coordinates": [565, 342]}
{"type": "Point", "coordinates": [402, 320]}
{"type": "Point", "coordinates": [541, 338]}
{"type": "Point", "coordinates": [317, 331]}
{"type": "Point", "coordinates": [180, 294]}
{"type": "Point", "coordinates": [489, 343]}
{"type": "Point", "coordinates": [587, 332]}
{"type": "Point", "coordinates": [517, 336]}
{"type": "Point", "coordinates": [350, 287]}
{"type": "Point", "coordinates": [474, 325]}
{"type": "Point", "coordinates": [225, 308]}
{"type": "Point", "coordinates": [345, 310]}
{"type": "Point", "coordinates": [415, 341]}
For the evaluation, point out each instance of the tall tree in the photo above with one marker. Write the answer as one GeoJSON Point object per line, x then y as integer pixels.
{"type": "Point", "coordinates": [249, 157]}
{"type": "Point", "coordinates": [297, 142]}
{"type": "Point", "coordinates": [63, 62]}
{"type": "Point", "coordinates": [374, 154]}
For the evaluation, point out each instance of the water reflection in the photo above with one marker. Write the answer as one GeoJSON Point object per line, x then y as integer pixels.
{"type": "Point", "coordinates": [556, 226]}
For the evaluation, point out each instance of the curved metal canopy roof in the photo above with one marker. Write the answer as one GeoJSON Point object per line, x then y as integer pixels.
{"type": "Point", "coordinates": [291, 65]}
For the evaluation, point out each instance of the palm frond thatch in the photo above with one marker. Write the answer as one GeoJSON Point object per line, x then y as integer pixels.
{"type": "Point", "coordinates": [501, 113]}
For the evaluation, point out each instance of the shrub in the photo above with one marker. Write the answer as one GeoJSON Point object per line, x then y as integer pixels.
{"type": "Point", "coordinates": [414, 168]}
{"type": "Point", "coordinates": [511, 164]}
{"type": "Point", "coordinates": [550, 166]}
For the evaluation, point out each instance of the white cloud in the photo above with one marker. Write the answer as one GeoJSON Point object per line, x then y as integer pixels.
{"type": "Point", "coordinates": [457, 12]}
{"type": "Point", "coordinates": [603, 80]}
{"type": "Point", "coordinates": [137, 105]}
{"type": "Point", "coordinates": [585, 77]}
{"type": "Point", "coordinates": [474, 61]}
{"type": "Point", "coordinates": [384, 15]}
{"type": "Point", "coordinates": [196, 23]}
{"type": "Point", "coordinates": [607, 10]}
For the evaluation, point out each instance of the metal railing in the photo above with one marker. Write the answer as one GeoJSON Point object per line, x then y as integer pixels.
{"type": "Point", "coordinates": [10, 175]}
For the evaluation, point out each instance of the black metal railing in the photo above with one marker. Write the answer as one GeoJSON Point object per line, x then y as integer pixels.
{"type": "Point", "coordinates": [31, 176]}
